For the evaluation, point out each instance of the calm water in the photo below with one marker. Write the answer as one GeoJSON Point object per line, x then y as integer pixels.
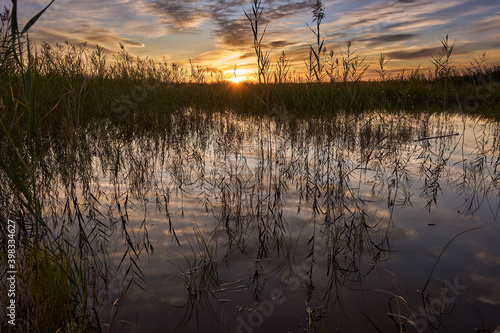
{"type": "Point", "coordinates": [228, 224]}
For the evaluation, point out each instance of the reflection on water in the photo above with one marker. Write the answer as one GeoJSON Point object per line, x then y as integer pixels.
{"type": "Point", "coordinates": [226, 223]}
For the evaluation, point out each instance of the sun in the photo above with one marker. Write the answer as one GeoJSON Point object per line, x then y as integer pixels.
{"type": "Point", "coordinates": [237, 79]}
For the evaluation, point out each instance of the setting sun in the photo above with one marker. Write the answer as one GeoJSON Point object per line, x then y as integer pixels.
{"type": "Point", "coordinates": [238, 79]}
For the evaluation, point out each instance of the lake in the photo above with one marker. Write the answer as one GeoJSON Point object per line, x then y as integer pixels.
{"type": "Point", "coordinates": [229, 223]}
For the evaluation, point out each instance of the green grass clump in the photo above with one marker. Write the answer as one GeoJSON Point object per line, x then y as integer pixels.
{"type": "Point", "coordinates": [52, 292]}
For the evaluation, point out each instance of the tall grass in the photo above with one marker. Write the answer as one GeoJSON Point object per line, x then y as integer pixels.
{"type": "Point", "coordinates": [315, 64]}
{"type": "Point", "coordinates": [78, 84]}
{"type": "Point", "coordinates": [263, 61]}
{"type": "Point", "coordinates": [52, 292]}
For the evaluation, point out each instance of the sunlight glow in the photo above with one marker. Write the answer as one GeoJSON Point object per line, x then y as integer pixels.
{"type": "Point", "coordinates": [238, 79]}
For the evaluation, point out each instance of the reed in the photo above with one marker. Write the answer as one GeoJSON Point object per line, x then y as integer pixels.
{"type": "Point", "coordinates": [52, 292]}
{"type": "Point", "coordinates": [315, 65]}
{"type": "Point", "coordinates": [263, 57]}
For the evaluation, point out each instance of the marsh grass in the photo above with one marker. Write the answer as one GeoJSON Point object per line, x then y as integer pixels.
{"type": "Point", "coordinates": [263, 57]}
{"type": "Point", "coordinates": [315, 64]}
{"type": "Point", "coordinates": [141, 94]}
{"type": "Point", "coordinates": [78, 84]}
{"type": "Point", "coordinates": [53, 292]}
{"type": "Point", "coordinates": [53, 279]}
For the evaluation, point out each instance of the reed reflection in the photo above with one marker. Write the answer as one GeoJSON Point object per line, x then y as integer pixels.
{"type": "Point", "coordinates": [311, 201]}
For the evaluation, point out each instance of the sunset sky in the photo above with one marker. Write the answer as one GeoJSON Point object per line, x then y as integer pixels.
{"type": "Point", "coordinates": [217, 34]}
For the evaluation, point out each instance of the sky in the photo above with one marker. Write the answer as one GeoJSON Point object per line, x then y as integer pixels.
{"type": "Point", "coordinates": [217, 35]}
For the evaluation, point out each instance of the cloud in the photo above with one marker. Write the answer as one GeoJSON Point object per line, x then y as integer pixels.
{"type": "Point", "coordinates": [429, 52]}
{"type": "Point", "coordinates": [85, 33]}
{"type": "Point", "coordinates": [487, 289]}
{"type": "Point", "coordinates": [225, 59]}
{"type": "Point", "coordinates": [280, 44]}
{"type": "Point", "coordinates": [287, 9]}
{"type": "Point", "coordinates": [487, 24]}
{"type": "Point", "coordinates": [414, 54]}
{"type": "Point", "coordinates": [488, 258]}
{"type": "Point", "coordinates": [181, 16]}
{"type": "Point", "coordinates": [400, 16]}
{"type": "Point", "coordinates": [247, 55]}
{"type": "Point", "coordinates": [388, 38]}
{"type": "Point", "coordinates": [233, 28]}
{"type": "Point", "coordinates": [120, 20]}
{"type": "Point", "coordinates": [380, 12]}
{"type": "Point", "coordinates": [233, 33]}
{"type": "Point", "coordinates": [404, 29]}
{"type": "Point", "coordinates": [228, 24]}
{"type": "Point", "coordinates": [91, 34]}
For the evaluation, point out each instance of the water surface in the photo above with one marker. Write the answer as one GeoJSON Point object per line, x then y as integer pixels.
{"type": "Point", "coordinates": [227, 223]}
